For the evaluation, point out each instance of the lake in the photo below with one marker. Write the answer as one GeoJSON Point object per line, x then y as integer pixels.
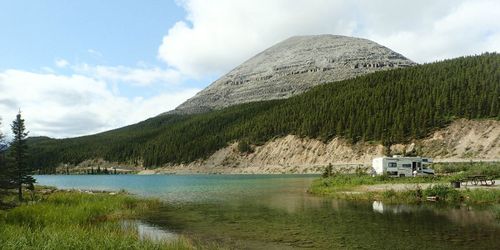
{"type": "Point", "coordinates": [275, 212]}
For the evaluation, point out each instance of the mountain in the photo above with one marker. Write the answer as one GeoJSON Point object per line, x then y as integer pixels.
{"type": "Point", "coordinates": [382, 109]}
{"type": "Point", "coordinates": [292, 67]}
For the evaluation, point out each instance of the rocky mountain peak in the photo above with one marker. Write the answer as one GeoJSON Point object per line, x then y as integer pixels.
{"type": "Point", "coordinates": [292, 67]}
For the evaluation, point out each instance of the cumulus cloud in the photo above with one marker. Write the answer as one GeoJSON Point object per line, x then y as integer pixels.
{"type": "Point", "coordinates": [94, 53]}
{"type": "Point", "coordinates": [220, 34]}
{"type": "Point", "coordinates": [136, 76]}
{"type": "Point", "coordinates": [471, 27]}
{"type": "Point", "coordinates": [216, 36]}
{"type": "Point", "coordinates": [61, 63]}
{"type": "Point", "coordinates": [62, 106]}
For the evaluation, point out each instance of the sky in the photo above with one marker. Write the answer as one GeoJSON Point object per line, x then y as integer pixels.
{"type": "Point", "coordinates": [85, 66]}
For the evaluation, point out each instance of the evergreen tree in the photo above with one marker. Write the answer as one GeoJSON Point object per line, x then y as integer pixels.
{"type": "Point", "coordinates": [393, 106]}
{"type": "Point", "coordinates": [21, 170]}
{"type": "Point", "coordinates": [6, 181]}
{"type": "Point", "coordinates": [244, 147]}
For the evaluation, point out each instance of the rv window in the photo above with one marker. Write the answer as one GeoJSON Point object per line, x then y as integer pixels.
{"type": "Point", "coordinates": [392, 164]}
{"type": "Point", "coordinates": [407, 165]}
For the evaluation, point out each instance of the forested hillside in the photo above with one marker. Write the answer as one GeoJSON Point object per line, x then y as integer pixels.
{"type": "Point", "coordinates": [388, 107]}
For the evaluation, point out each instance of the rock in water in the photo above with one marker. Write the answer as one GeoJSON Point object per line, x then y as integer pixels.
{"type": "Point", "coordinates": [292, 67]}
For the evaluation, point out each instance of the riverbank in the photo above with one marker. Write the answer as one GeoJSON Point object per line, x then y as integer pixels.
{"type": "Point", "coordinates": [443, 166]}
{"type": "Point", "coordinates": [274, 212]}
{"type": "Point", "coordinates": [56, 219]}
{"type": "Point", "coordinates": [411, 193]}
{"type": "Point", "coordinates": [415, 189]}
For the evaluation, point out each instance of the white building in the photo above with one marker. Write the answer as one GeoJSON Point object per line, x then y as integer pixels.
{"type": "Point", "coordinates": [400, 166]}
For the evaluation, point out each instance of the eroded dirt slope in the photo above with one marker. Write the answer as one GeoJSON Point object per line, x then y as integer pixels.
{"type": "Point", "coordinates": [462, 140]}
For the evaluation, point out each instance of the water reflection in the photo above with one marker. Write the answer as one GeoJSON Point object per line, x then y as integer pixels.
{"type": "Point", "coordinates": [148, 231]}
{"type": "Point", "coordinates": [461, 215]}
{"type": "Point", "coordinates": [380, 207]}
{"type": "Point", "coordinates": [265, 212]}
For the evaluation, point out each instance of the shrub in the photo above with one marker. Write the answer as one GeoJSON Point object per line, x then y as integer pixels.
{"type": "Point", "coordinates": [245, 147]}
{"type": "Point", "coordinates": [491, 169]}
{"type": "Point", "coordinates": [328, 171]}
{"type": "Point", "coordinates": [389, 194]}
{"type": "Point", "coordinates": [444, 193]}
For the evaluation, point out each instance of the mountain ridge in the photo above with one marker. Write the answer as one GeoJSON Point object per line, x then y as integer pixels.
{"type": "Point", "coordinates": [387, 108]}
{"type": "Point", "coordinates": [292, 67]}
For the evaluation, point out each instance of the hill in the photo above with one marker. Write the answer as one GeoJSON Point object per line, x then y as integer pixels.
{"type": "Point", "coordinates": [387, 107]}
{"type": "Point", "coordinates": [292, 67]}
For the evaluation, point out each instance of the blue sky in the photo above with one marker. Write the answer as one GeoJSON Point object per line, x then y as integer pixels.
{"type": "Point", "coordinates": [123, 32]}
{"type": "Point", "coordinates": [112, 32]}
{"type": "Point", "coordinates": [84, 66]}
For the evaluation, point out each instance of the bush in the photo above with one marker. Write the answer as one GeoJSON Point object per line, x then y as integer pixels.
{"type": "Point", "coordinates": [491, 169]}
{"type": "Point", "coordinates": [444, 193]}
{"type": "Point", "coordinates": [389, 194]}
{"type": "Point", "coordinates": [328, 171]}
{"type": "Point", "coordinates": [245, 147]}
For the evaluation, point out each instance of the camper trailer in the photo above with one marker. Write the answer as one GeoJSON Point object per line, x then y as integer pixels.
{"type": "Point", "coordinates": [400, 166]}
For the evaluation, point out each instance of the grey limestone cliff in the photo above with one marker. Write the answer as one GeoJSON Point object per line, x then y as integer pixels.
{"type": "Point", "coordinates": [292, 67]}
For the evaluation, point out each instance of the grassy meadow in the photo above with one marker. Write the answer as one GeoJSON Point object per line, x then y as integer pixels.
{"type": "Point", "coordinates": [74, 220]}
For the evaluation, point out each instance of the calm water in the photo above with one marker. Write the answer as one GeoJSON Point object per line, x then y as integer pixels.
{"type": "Point", "coordinates": [275, 212]}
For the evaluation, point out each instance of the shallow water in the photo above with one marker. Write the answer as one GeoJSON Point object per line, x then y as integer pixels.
{"type": "Point", "coordinates": [275, 212]}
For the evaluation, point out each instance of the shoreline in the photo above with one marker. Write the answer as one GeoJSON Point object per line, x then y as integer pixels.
{"type": "Point", "coordinates": [405, 191]}
{"type": "Point", "coordinates": [70, 219]}
{"type": "Point", "coordinates": [200, 168]}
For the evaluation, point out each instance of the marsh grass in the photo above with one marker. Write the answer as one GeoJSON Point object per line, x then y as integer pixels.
{"type": "Point", "coordinates": [483, 196]}
{"type": "Point", "coordinates": [73, 220]}
{"type": "Point", "coordinates": [341, 182]}
{"type": "Point", "coordinates": [491, 169]}
{"type": "Point", "coordinates": [345, 186]}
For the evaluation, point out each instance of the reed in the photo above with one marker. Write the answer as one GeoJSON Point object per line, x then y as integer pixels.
{"type": "Point", "coordinates": [73, 220]}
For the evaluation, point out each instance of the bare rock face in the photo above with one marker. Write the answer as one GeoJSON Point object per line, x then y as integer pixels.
{"type": "Point", "coordinates": [292, 67]}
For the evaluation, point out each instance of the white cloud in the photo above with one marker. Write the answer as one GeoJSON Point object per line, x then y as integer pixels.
{"type": "Point", "coordinates": [61, 63]}
{"type": "Point", "coordinates": [63, 106]}
{"type": "Point", "coordinates": [470, 28]}
{"type": "Point", "coordinates": [136, 76]}
{"type": "Point", "coordinates": [94, 53]}
{"type": "Point", "coordinates": [218, 35]}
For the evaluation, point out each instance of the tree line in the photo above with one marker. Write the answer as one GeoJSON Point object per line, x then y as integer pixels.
{"type": "Point", "coordinates": [385, 107]}
{"type": "Point", "coordinates": [15, 172]}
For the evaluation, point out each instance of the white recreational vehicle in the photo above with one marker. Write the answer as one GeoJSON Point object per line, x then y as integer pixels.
{"type": "Point", "coordinates": [400, 166]}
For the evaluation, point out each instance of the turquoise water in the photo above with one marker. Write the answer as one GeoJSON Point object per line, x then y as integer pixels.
{"type": "Point", "coordinates": [275, 212]}
{"type": "Point", "coordinates": [186, 188]}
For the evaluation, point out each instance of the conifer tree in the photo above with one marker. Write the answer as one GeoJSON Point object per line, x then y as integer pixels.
{"type": "Point", "coordinates": [387, 107]}
{"type": "Point", "coordinates": [6, 181]}
{"type": "Point", "coordinates": [21, 170]}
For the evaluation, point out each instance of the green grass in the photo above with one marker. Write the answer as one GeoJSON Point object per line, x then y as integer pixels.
{"type": "Point", "coordinates": [71, 220]}
{"type": "Point", "coordinates": [445, 193]}
{"type": "Point", "coordinates": [347, 186]}
{"type": "Point", "coordinates": [482, 196]}
{"type": "Point", "coordinates": [491, 169]}
{"type": "Point", "coordinates": [342, 182]}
